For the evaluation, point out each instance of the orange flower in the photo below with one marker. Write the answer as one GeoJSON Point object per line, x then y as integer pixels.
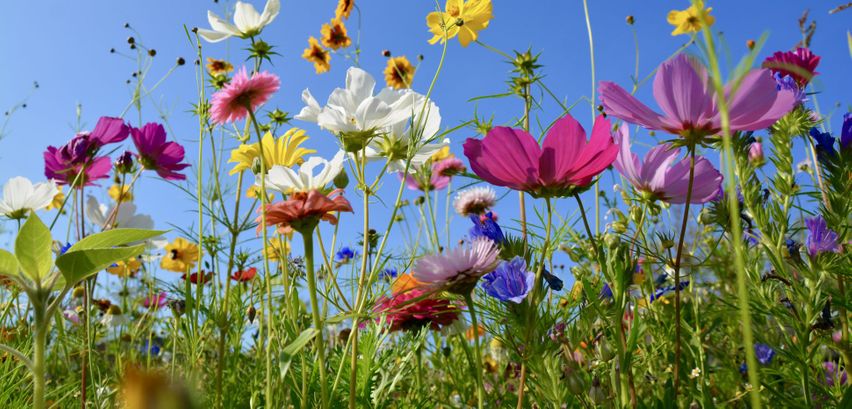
{"type": "Point", "coordinates": [406, 282]}
{"type": "Point", "coordinates": [304, 210]}
{"type": "Point", "coordinates": [469, 332]}
{"type": "Point", "coordinates": [317, 55]}
{"type": "Point", "coordinates": [399, 72]}
{"type": "Point", "coordinates": [344, 9]}
{"type": "Point", "coordinates": [334, 35]}
{"type": "Point", "coordinates": [217, 67]}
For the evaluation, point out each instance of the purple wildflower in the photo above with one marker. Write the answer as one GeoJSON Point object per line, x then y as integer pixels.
{"type": "Point", "coordinates": [821, 239]}
{"type": "Point", "coordinates": [510, 281]}
{"type": "Point", "coordinates": [156, 154]}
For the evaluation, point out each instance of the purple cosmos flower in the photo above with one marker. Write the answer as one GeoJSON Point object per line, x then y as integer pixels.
{"type": "Point", "coordinates": [510, 281]}
{"type": "Point", "coordinates": [764, 353]}
{"type": "Point", "coordinates": [821, 239]}
{"type": "Point", "coordinates": [660, 178]}
{"type": "Point", "coordinates": [486, 226]}
{"type": "Point", "coordinates": [156, 154]}
{"type": "Point", "coordinates": [109, 130]}
{"type": "Point", "coordinates": [688, 102]}
{"type": "Point", "coordinates": [74, 164]}
{"type": "Point", "coordinates": [831, 374]}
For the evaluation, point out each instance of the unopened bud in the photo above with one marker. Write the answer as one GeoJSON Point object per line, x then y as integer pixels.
{"type": "Point", "coordinates": [630, 20]}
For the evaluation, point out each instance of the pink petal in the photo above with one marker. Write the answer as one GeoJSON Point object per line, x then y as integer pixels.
{"type": "Point", "coordinates": [620, 104]}
{"type": "Point", "coordinates": [757, 104]}
{"type": "Point", "coordinates": [506, 157]}
{"type": "Point", "coordinates": [562, 145]}
{"type": "Point", "coordinates": [596, 156]}
{"type": "Point", "coordinates": [682, 92]}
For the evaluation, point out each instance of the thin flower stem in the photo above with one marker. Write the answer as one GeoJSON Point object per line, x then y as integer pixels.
{"type": "Point", "coordinates": [365, 250]}
{"type": "Point", "coordinates": [477, 365]}
{"type": "Point", "coordinates": [677, 268]}
{"type": "Point", "coordinates": [224, 323]}
{"type": "Point", "coordinates": [308, 239]}
{"type": "Point", "coordinates": [592, 99]}
{"type": "Point", "coordinates": [42, 324]}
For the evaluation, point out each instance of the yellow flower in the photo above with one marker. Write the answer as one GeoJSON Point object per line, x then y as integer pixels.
{"type": "Point", "coordinates": [463, 19]}
{"type": "Point", "coordinates": [284, 151]}
{"type": "Point", "coordinates": [180, 257]}
{"type": "Point", "coordinates": [334, 35]}
{"type": "Point", "coordinates": [127, 268]}
{"type": "Point", "coordinates": [217, 67]}
{"type": "Point", "coordinates": [692, 19]}
{"type": "Point", "coordinates": [442, 154]}
{"type": "Point", "coordinates": [317, 55]}
{"type": "Point", "coordinates": [277, 249]}
{"type": "Point", "coordinates": [120, 194]}
{"type": "Point", "coordinates": [399, 72]}
{"type": "Point", "coordinates": [253, 192]}
{"type": "Point", "coordinates": [58, 199]}
{"type": "Point", "coordinates": [344, 9]}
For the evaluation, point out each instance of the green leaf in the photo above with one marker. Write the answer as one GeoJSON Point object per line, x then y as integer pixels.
{"type": "Point", "coordinates": [78, 265]}
{"type": "Point", "coordinates": [294, 347]}
{"type": "Point", "coordinates": [113, 238]}
{"type": "Point", "coordinates": [32, 248]}
{"type": "Point", "coordinates": [8, 264]}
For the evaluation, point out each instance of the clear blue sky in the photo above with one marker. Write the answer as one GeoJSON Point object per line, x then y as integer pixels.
{"type": "Point", "coordinates": [65, 47]}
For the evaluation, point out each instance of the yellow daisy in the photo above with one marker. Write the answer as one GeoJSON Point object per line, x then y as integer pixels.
{"type": "Point", "coordinates": [399, 72]}
{"type": "Point", "coordinates": [334, 35]}
{"type": "Point", "coordinates": [319, 56]}
{"type": "Point", "coordinates": [218, 67]}
{"type": "Point", "coordinates": [127, 268]}
{"type": "Point", "coordinates": [284, 151]}
{"type": "Point", "coordinates": [344, 9]}
{"type": "Point", "coordinates": [691, 20]}
{"type": "Point", "coordinates": [120, 193]}
{"type": "Point", "coordinates": [181, 255]}
{"type": "Point", "coordinates": [463, 19]}
{"type": "Point", "coordinates": [278, 249]}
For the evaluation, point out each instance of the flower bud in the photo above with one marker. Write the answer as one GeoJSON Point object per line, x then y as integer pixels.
{"type": "Point", "coordinates": [341, 180]}
{"type": "Point", "coordinates": [630, 20]}
{"type": "Point", "coordinates": [755, 153]}
{"type": "Point", "coordinates": [124, 163]}
{"type": "Point", "coordinates": [750, 44]}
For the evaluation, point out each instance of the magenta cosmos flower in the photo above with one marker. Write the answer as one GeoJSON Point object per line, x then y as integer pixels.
{"type": "Point", "coordinates": [76, 163]}
{"type": "Point", "coordinates": [659, 177]}
{"type": "Point", "coordinates": [154, 153]}
{"type": "Point", "coordinates": [799, 64]}
{"type": "Point", "coordinates": [564, 162]}
{"type": "Point", "coordinates": [232, 102]}
{"type": "Point", "coordinates": [688, 101]}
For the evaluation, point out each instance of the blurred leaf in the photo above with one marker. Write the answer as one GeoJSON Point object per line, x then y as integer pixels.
{"type": "Point", "coordinates": [114, 237]}
{"type": "Point", "coordinates": [32, 248]}
{"type": "Point", "coordinates": [8, 264]}
{"type": "Point", "coordinates": [78, 265]}
{"type": "Point", "coordinates": [300, 342]}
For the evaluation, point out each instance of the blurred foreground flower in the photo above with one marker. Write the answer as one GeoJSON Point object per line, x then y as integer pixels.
{"type": "Point", "coordinates": [415, 309]}
{"type": "Point", "coordinates": [21, 196]}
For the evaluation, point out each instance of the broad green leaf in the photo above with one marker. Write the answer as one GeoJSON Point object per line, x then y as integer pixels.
{"type": "Point", "coordinates": [78, 265]}
{"type": "Point", "coordinates": [8, 264]}
{"type": "Point", "coordinates": [113, 238]}
{"type": "Point", "coordinates": [33, 248]}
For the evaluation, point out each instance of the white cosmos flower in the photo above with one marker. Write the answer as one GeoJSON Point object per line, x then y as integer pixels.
{"type": "Point", "coordinates": [247, 22]}
{"type": "Point", "coordinates": [20, 195]}
{"type": "Point", "coordinates": [286, 180]}
{"type": "Point", "coordinates": [355, 108]}
{"type": "Point", "coordinates": [126, 218]}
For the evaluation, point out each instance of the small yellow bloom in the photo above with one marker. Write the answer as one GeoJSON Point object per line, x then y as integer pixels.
{"type": "Point", "coordinates": [253, 192]}
{"type": "Point", "coordinates": [442, 154]}
{"type": "Point", "coordinates": [218, 67]}
{"type": "Point", "coordinates": [127, 268]}
{"type": "Point", "coordinates": [344, 9]}
{"type": "Point", "coordinates": [284, 151]}
{"type": "Point", "coordinates": [180, 257]}
{"type": "Point", "coordinates": [278, 249]}
{"type": "Point", "coordinates": [334, 35]}
{"type": "Point", "coordinates": [692, 19]}
{"type": "Point", "coordinates": [58, 200]}
{"type": "Point", "coordinates": [399, 72]}
{"type": "Point", "coordinates": [120, 194]}
{"type": "Point", "coordinates": [317, 55]}
{"type": "Point", "coordinates": [463, 19]}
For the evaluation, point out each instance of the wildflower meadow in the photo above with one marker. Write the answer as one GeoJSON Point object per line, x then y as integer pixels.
{"type": "Point", "coordinates": [470, 204]}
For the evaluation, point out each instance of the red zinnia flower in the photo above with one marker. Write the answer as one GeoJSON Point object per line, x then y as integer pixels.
{"type": "Point", "coordinates": [305, 209]}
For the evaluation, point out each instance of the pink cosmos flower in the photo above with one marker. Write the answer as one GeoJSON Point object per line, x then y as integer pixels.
{"type": "Point", "coordinates": [232, 102]}
{"type": "Point", "coordinates": [156, 154]}
{"type": "Point", "coordinates": [564, 162]}
{"type": "Point", "coordinates": [689, 103]}
{"type": "Point", "coordinates": [659, 177]}
{"type": "Point", "coordinates": [109, 130]}
{"type": "Point", "coordinates": [799, 64]}
{"type": "Point", "coordinates": [157, 300]}
{"type": "Point", "coordinates": [438, 177]}
{"type": "Point", "coordinates": [458, 270]}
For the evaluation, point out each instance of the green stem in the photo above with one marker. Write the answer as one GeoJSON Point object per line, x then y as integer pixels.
{"type": "Point", "coordinates": [307, 236]}
{"type": "Point", "coordinates": [677, 268]}
{"type": "Point", "coordinates": [477, 365]}
{"type": "Point", "coordinates": [38, 363]}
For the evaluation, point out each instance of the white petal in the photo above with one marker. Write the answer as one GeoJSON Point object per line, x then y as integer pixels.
{"type": "Point", "coordinates": [97, 212]}
{"type": "Point", "coordinates": [220, 25]}
{"type": "Point", "coordinates": [270, 11]}
{"type": "Point", "coordinates": [42, 195]}
{"type": "Point", "coordinates": [372, 113]}
{"type": "Point", "coordinates": [246, 18]}
{"type": "Point", "coordinates": [212, 36]}
{"type": "Point", "coordinates": [360, 84]}
{"type": "Point", "coordinates": [311, 109]}
{"type": "Point", "coordinates": [16, 193]}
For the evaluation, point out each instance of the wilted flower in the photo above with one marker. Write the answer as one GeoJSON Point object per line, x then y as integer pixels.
{"type": "Point", "coordinates": [317, 55]}
{"type": "Point", "coordinates": [285, 151]}
{"type": "Point", "coordinates": [232, 102]}
{"type": "Point", "coordinates": [154, 153]}
{"type": "Point", "coordinates": [799, 64]}
{"type": "Point", "coordinates": [305, 209]}
{"type": "Point", "coordinates": [460, 18]}
{"type": "Point", "coordinates": [181, 255]}
{"type": "Point", "coordinates": [247, 22]}
{"type": "Point", "coordinates": [485, 226]}
{"type": "Point", "coordinates": [564, 162]}
{"type": "Point", "coordinates": [510, 281]}
{"type": "Point", "coordinates": [459, 269]}
{"type": "Point", "coordinates": [475, 201]}
{"type": "Point", "coordinates": [691, 20]}
{"type": "Point", "coordinates": [821, 239]}
{"type": "Point", "coordinates": [21, 196]}
{"type": "Point", "coordinates": [658, 177]}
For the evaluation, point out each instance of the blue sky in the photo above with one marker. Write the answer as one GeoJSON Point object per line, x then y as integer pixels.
{"type": "Point", "coordinates": [65, 47]}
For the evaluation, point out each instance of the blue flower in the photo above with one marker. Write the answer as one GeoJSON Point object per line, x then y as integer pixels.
{"type": "Point", "coordinates": [606, 292]}
{"type": "Point", "coordinates": [665, 290]}
{"type": "Point", "coordinates": [824, 144]}
{"type": "Point", "coordinates": [793, 248]}
{"type": "Point", "coordinates": [389, 273]}
{"type": "Point", "coordinates": [344, 255]}
{"type": "Point", "coordinates": [764, 353]}
{"type": "Point", "coordinates": [153, 348]}
{"type": "Point", "coordinates": [821, 238]}
{"type": "Point", "coordinates": [846, 132]}
{"type": "Point", "coordinates": [64, 248]}
{"type": "Point", "coordinates": [788, 83]}
{"type": "Point", "coordinates": [554, 282]}
{"type": "Point", "coordinates": [510, 281]}
{"type": "Point", "coordinates": [486, 227]}
{"type": "Point", "coordinates": [743, 368]}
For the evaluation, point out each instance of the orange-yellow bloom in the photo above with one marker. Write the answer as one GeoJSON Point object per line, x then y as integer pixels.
{"type": "Point", "coordinates": [181, 255]}
{"type": "Point", "coordinates": [691, 20]}
{"type": "Point", "coordinates": [334, 35]}
{"type": "Point", "coordinates": [344, 9]}
{"type": "Point", "coordinates": [218, 67]}
{"type": "Point", "coordinates": [399, 72]}
{"type": "Point", "coordinates": [319, 56]}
